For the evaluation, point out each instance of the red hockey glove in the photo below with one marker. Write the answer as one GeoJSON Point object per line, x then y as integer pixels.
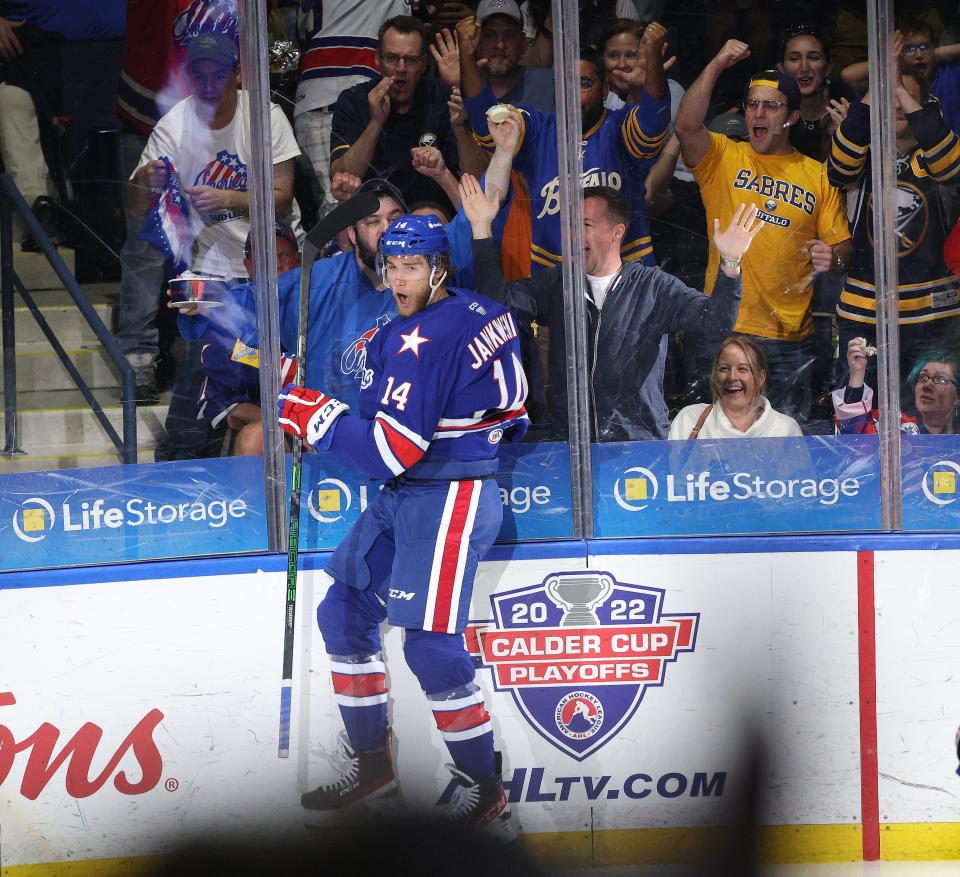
{"type": "Point", "coordinates": [308, 414]}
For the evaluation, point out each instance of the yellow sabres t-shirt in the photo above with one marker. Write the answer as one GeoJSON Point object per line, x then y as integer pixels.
{"type": "Point", "coordinates": [796, 204]}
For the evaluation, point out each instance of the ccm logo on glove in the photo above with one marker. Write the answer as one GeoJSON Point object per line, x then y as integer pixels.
{"type": "Point", "coordinates": [308, 414]}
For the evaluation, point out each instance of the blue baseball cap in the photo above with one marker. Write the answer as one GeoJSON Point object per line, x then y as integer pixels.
{"type": "Point", "coordinates": [782, 82]}
{"type": "Point", "coordinates": [216, 47]}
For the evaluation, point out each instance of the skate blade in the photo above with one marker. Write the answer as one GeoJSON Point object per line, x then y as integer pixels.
{"type": "Point", "coordinates": [385, 802]}
{"type": "Point", "coordinates": [503, 829]}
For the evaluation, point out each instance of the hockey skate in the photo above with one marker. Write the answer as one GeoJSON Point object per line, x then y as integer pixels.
{"type": "Point", "coordinates": [363, 781]}
{"type": "Point", "coordinates": [482, 804]}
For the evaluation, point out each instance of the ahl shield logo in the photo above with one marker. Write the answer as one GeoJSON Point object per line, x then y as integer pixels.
{"type": "Point", "coordinates": [578, 651]}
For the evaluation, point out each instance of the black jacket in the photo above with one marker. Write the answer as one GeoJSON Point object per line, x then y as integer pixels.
{"type": "Point", "coordinates": [626, 340]}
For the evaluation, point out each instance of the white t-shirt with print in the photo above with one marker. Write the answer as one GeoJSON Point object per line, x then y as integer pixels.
{"type": "Point", "coordinates": [218, 158]}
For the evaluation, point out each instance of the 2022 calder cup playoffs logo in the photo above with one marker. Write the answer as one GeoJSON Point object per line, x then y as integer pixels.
{"type": "Point", "coordinates": [578, 652]}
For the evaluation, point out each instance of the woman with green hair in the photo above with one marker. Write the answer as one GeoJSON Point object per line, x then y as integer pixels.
{"type": "Point", "coordinates": [933, 378]}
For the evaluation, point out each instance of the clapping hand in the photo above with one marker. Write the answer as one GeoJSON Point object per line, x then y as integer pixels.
{"type": "Point", "coordinates": [379, 100]}
{"type": "Point", "coordinates": [446, 53]}
{"type": "Point", "coordinates": [480, 208]}
{"type": "Point", "coordinates": [734, 241]}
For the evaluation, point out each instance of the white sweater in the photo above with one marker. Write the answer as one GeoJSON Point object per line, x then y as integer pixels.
{"type": "Point", "coordinates": [770, 424]}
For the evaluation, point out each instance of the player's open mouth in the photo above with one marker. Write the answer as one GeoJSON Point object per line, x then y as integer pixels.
{"type": "Point", "coordinates": [401, 299]}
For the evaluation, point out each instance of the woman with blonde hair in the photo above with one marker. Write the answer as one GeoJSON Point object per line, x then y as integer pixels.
{"type": "Point", "coordinates": [739, 408]}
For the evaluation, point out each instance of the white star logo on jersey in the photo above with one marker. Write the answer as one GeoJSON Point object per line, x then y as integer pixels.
{"type": "Point", "coordinates": [413, 341]}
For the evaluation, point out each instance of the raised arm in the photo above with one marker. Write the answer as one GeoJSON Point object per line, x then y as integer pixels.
{"type": "Point", "coordinates": [689, 125]}
{"type": "Point", "coordinates": [527, 298]}
{"type": "Point", "coordinates": [468, 37]}
{"type": "Point", "coordinates": [506, 136]}
{"type": "Point", "coordinates": [716, 314]}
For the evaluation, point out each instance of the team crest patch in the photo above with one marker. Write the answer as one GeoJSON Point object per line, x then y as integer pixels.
{"type": "Point", "coordinates": [578, 652]}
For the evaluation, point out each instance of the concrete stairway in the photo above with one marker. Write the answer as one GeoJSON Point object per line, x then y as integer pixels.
{"type": "Point", "coordinates": [55, 426]}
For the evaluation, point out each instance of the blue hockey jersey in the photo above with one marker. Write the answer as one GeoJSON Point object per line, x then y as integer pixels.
{"type": "Point", "coordinates": [618, 151]}
{"type": "Point", "coordinates": [346, 312]}
{"type": "Point", "coordinates": [442, 389]}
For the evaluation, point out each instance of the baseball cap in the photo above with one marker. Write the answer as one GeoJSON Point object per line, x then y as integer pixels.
{"type": "Point", "coordinates": [380, 186]}
{"type": "Point", "coordinates": [283, 231]}
{"type": "Point", "coordinates": [216, 47]}
{"type": "Point", "coordinates": [486, 8]}
{"type": "Point", "coordinates": [782, 82]}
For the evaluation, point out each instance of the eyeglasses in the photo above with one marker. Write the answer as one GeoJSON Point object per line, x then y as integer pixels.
{"type": "Point", "coordinates": [587, 82]}
{"type": "Point", "coordinates": [939, 380]}
{"type": "Point", "coordinates": [392, 59]}
{"type": "Point", "coordinates": [771, 106]}
{"type": "Point", "coordinates": [913, 48]}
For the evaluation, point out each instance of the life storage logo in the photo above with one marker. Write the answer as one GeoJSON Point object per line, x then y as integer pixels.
{"type": "Point", "coordinates": [36, 518]}
{"type": "Point", "coordinates": [940, 482]}
{"type": "Point", "coordinates": [637, 488]}
{"type": "Point", "coordinates": [578, 651]}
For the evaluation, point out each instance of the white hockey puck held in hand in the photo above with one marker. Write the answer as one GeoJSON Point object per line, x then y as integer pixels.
{"type": "Point", "coordinates": [498, 113]}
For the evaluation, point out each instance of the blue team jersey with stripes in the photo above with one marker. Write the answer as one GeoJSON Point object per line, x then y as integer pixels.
{"type": "Point", "coordinates": [440, 390]}
{"type": "Point", "coordinates": [618, 151]}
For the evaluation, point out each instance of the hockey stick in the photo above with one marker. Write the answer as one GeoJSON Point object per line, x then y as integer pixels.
{"type": "Point", "coordinates": [347, 214]}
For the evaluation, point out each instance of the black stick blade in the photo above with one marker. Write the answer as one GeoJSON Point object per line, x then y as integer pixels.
{"type": "Point", "coordinates": [348, 213]}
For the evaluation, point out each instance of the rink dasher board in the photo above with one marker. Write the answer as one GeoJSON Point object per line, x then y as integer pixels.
{"type": "Point", "coordinates": [654, 489]}
{"type": "Point", "coordinates": [187, 665]}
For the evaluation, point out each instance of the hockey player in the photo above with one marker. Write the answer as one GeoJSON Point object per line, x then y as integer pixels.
{"type": "Point", "coordinates": [443, 386]}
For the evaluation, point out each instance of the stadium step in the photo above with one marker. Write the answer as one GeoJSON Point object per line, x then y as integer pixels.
{"type": "Point", "coordinates": [50, 421]}
{"type": "Point", "coordinates": [61, 313]}
{"type": "Point", "coordinates": [35, 271]}
{"type": "Point", "coordinates": [55, 426]}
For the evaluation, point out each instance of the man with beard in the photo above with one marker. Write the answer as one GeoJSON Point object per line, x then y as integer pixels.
{"type": "Point", "coordinates": [376, 124]}
{"type": "Point", "coordinates": [502, 45]}
{"type": "Point", "coordinates": [348, 301]}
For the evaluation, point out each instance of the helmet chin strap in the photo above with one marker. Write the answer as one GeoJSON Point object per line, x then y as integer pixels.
{"type": "Point", "coordinates": [435, 283]}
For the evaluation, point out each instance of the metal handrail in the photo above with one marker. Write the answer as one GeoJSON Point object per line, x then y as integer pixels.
{"type": "Point", "coordinates": [10, 196]}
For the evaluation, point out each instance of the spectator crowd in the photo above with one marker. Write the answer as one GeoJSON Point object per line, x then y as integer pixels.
{"type": "Point", "coordinates": [728, 208]}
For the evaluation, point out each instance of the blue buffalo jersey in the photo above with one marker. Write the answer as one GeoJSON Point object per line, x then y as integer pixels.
{"type": "Point", "coordinates": [618, 151]}
{"type": "Point", "coordinates": [440, 391]}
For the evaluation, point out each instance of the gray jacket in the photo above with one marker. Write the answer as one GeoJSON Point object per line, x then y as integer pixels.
{"type": "Point", "coordinates": [627, 340]}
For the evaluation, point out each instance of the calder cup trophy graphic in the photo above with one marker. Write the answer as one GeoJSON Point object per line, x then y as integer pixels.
{"type": "Point", "coordinates": [578, 596]}
{"type": "Point", "coordinates": [578, 651]}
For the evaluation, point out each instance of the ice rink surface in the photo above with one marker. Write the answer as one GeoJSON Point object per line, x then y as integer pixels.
{"type": "Point", "coordinates": [838, 869]}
